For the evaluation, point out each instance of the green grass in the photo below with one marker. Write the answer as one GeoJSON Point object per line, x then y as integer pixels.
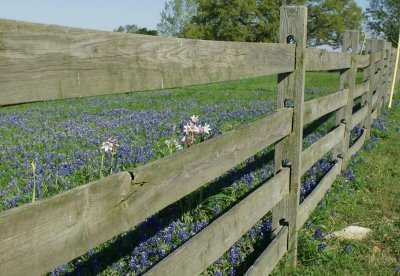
{"type": "Point", "coordinates": [372, 200]}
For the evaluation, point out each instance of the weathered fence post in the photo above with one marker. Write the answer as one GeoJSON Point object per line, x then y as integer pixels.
{"type": "Point", "coordinates": [381, 87]}
{"type": "Point", "coordinates": [293, 29]}
{"type": "Point", "coordinates": [370, 48]}
{"type": "Point", "coordinates": [388, 71]}
{"type": "Point", "coordinates": [347, 81]}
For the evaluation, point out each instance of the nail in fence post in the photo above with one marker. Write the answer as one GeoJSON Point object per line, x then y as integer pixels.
{"type": "Point", "coordinates": [293, 29]}
{"type": "Point", "coordinates": [347, 80]}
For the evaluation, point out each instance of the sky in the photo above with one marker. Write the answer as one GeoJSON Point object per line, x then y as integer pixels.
{"type": "Point", "coordinates": [90, 14]}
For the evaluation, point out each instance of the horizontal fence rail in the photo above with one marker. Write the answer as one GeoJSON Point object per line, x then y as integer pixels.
{"type": "Point", "coordinates": [312, 200]}
{"type": "Point", "coordinates": [45, 62]}
{"type": "Point", "coordinates": [363, 61]}
{"type": "Point", "coordinates": [192, 259]}
{"type": "Point", "coordinates": [319, 107]}
{"type": "Point", "coordinates": [316, 151]}
{"type": "Point", "coordinates": [361, 89]}
{"type": "Point", "coordinates": [320, 60]}
{"type": "Point", "coordinates": [359, 116]}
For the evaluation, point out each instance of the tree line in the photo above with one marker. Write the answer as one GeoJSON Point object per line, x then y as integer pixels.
{"type": "Point", "coordinates": [258, 20]}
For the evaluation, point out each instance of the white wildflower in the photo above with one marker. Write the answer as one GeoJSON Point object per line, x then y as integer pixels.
{"type": "Point", "coordinates": [194, 118]}
{"type": "Point", "coordinates": [206, 129]}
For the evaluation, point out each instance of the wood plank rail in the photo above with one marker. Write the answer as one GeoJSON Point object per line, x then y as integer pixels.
{"type": "Point", "coordinates": [36, 238]}
{"type": "Point", "coordinates": [375, 78]}
{"type": "Point", "coordinates": [312, 200]}
{"type": "Point", "coordinates": [363, 61]}
{"type": "Point", "coordinates": [378, 56]}
{"type": "Point", "coordinates": [45, 62]}
{"type": "Point", "coordinates": [218, 237]}
{"type": "Point", "coordinates": [317, 150]}
{"type": "Point", "coordinates": [320, 60]}
{"type": "Point", "coordinates": [108, 207]}
{"type": "Point", "coordinates": [361, 89]}
{"type": "Point", "coordinates": [375, 99]}
{"type": "Point", "coordinates": [358, 144]}
{"type": "Point", "coordinates": [359, 116]}
{"type": "Point", "coordinates": [319, 107]}
{"type": "Point", "coordinates": [374, 114]}
{"type": "Point", "coordinates": [266, 262]}
{"type": "Point", "coordinates": [169, 179]}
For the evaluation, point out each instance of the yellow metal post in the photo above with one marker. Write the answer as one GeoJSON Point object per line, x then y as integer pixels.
{"type": "Point", "coordinates": [396, 66]}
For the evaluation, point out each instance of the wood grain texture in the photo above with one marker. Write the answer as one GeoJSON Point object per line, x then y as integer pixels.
{"type": "Point", "coordinates": [369, 73]}
{"type": "Point", "coordinates": [374, 114]}
{"type": "Point", "coordinates": [293, 22]}
{"type": "Point", "coordinates": [359, 116]}
{"type": "Point", "coordinates": [312, 200]}
{"type": "Point", "coordinates": [204, 248]}
{"type": "Point", "coordinates": [357, 145]}
{"type": "Point", "coordinates": [317, 150]}
{"type": "Point", "coordinates": [375, 80]}
{"type": "Point", "coordinates": [36, 238]}
{"type": "Point", "coordinates": [361, 89]}
{"type": "Point", "coordinates": [266, 262]}
{"type": "Point", "coordinates": [45, 62]}
{"type": "Point", "coordinates": [381, 82]}
{"type": "Point", "coordinates": [362, 61]}
{"type": "Point", "coordinates": [348, 80]}
{"type": "Point", "coordinates": [320, 60]}
{"type": "Point", "coordinates": [167, 180]}
{"type": "Point", "coordinates": [378, 55]}
{"type": "Point", "coordinates": [375, 100]}
{"type": "Point", "coordinates": [319, 107]}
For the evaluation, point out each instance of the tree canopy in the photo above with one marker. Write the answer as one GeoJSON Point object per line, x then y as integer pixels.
{"type": "Point", "coordinates": [384, 19]}
{"type": "Point", "coordinates": [134, 29]}
{"type": "Point", "coordinates": [258, 20]}
{"type": "Point", "coordinates": [175, 15]}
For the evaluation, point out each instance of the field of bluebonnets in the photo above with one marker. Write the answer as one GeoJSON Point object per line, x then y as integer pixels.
{"type": "Point", "coordinates": [49, 147]}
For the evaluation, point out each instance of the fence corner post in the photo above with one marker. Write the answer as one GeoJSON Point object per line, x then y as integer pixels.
{"type": "Point", "coordinates": [293, 30]}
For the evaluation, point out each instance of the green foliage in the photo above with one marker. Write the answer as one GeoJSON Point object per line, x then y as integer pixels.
{"type": "Point", "coordinates": [258, 20]}
{"type": "Point", "coordinates": [235, 20]}
{"type": "Point", "coordinates": [328, 19]}
{"type": "Point", "coordinates": [384, 19]}
{"type": "Point", "coordinates": [134, 29]}
{"type": "Point", "coordinates": [175, 15]}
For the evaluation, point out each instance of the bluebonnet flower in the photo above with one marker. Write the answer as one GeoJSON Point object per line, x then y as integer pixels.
{"type": "Point", "coordinates": [217, 209]}
{"type": "Point", "coordinates": [322, 246]}
{"type": "Point", "coordinates": [231, 272]}
{"type": "Point", "coordinates": [347, 249]}
{"type": "Point", "coordinates": [318, 234]}
{"type": "Point", "coordinates": [309, 225]}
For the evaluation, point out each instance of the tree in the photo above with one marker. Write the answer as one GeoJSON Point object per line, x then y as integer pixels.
{"type": "Point", "coordinates": [258, 20]}
{"type": "Point", "coordinates": [384, 19]}
{"type": "Point", "coordinates": [134, 29]}
{"type": "Point", "coordinates": [328, 19]}
{"type": "Point", "coordinates": [175, 15]}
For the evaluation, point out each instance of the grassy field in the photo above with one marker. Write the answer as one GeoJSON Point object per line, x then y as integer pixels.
{"type": "Point", "coordinates": [63, 139]}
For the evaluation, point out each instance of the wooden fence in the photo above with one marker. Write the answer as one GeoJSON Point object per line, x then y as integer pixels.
{"type": "Point", "coordinates": [41, 62]}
